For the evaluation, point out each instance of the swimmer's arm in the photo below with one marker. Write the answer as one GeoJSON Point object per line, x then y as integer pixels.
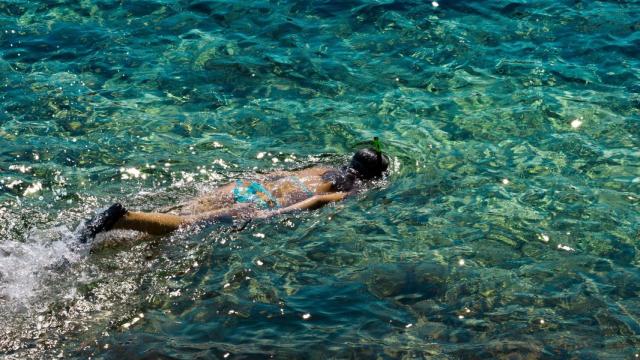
{"type": "Point", "coordinates": [311, 203]}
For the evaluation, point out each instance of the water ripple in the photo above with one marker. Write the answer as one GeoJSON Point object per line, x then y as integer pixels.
{"type": "Point", "coordinates": [508, 227]}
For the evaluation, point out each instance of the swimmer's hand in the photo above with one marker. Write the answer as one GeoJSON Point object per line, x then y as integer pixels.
{"type": "Point", "coordinates": [314, 202]}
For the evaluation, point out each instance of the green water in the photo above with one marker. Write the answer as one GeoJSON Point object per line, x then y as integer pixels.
{"type": "Point", "coordinates": [508, 227]}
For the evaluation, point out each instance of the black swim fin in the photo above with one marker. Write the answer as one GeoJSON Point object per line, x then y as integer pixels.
{"type": "Point", "coordinates": [103, 221]}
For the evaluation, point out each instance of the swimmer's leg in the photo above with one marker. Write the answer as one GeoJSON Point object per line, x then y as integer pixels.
{"type": "Point", "coordinates": [161, 224]}
{"type": "Point", "coordinates": [151, 223]}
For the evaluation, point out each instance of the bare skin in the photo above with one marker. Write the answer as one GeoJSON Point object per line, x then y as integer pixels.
{"type": "Point", "coordinates": [293, 190]}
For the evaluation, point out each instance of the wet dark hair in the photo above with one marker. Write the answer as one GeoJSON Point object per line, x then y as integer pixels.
{"type": "Point", "coordinates": [369, 163]}
{"type": "Point", "coordinates": [366, 164]}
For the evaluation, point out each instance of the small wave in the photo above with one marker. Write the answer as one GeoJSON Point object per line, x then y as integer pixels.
{"type": "Point", "coordinates": [23, 265]}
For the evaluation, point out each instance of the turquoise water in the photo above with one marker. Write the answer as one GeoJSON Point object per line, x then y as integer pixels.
{"type": "Point", "coordinates": [508, 227]}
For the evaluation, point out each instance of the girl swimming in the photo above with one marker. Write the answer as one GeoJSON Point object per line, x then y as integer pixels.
{"type": "Point", "coordinates": [265, 196]}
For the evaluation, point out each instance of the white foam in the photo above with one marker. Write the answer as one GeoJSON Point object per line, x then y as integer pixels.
{"type": "Point", "coordinates": [24, 264]}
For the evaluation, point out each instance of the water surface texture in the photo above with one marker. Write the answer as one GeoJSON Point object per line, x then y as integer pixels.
{"type": "Point", "coordinates": [508, 227]}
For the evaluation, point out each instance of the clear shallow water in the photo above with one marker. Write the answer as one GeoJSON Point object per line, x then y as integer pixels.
{"type": "Point", "coordinates": [509, 225]}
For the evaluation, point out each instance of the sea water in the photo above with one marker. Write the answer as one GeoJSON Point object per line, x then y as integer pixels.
{"type": "Point", "coordinates": [508, 226]}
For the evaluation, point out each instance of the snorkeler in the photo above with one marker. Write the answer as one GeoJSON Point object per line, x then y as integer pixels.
{"type": "Point", "coordinates": [261, 197]}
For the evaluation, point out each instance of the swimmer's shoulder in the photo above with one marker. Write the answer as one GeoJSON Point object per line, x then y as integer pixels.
{"type": "Point", "coordinates": [312, 171]}
{"type": "Point", "coordinates": [315, 171]}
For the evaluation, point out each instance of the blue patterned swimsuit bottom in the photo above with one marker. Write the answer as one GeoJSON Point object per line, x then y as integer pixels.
{"type": "Point", "coordinates": [254, 192]}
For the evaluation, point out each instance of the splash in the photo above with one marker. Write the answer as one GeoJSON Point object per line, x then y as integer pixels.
{"type": "Point", "coordinates": [23, 265]}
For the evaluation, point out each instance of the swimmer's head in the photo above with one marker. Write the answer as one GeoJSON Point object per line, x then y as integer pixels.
{"type": "Point", "coordinates": [368, 164]}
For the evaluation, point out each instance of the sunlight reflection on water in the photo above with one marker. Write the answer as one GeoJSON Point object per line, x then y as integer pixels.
{"type": "Point", "coordinates": [508, 228]}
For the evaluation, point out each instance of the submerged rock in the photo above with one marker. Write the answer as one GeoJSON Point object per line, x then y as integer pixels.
{"type": "Point", "coordinates": [387, 280]}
